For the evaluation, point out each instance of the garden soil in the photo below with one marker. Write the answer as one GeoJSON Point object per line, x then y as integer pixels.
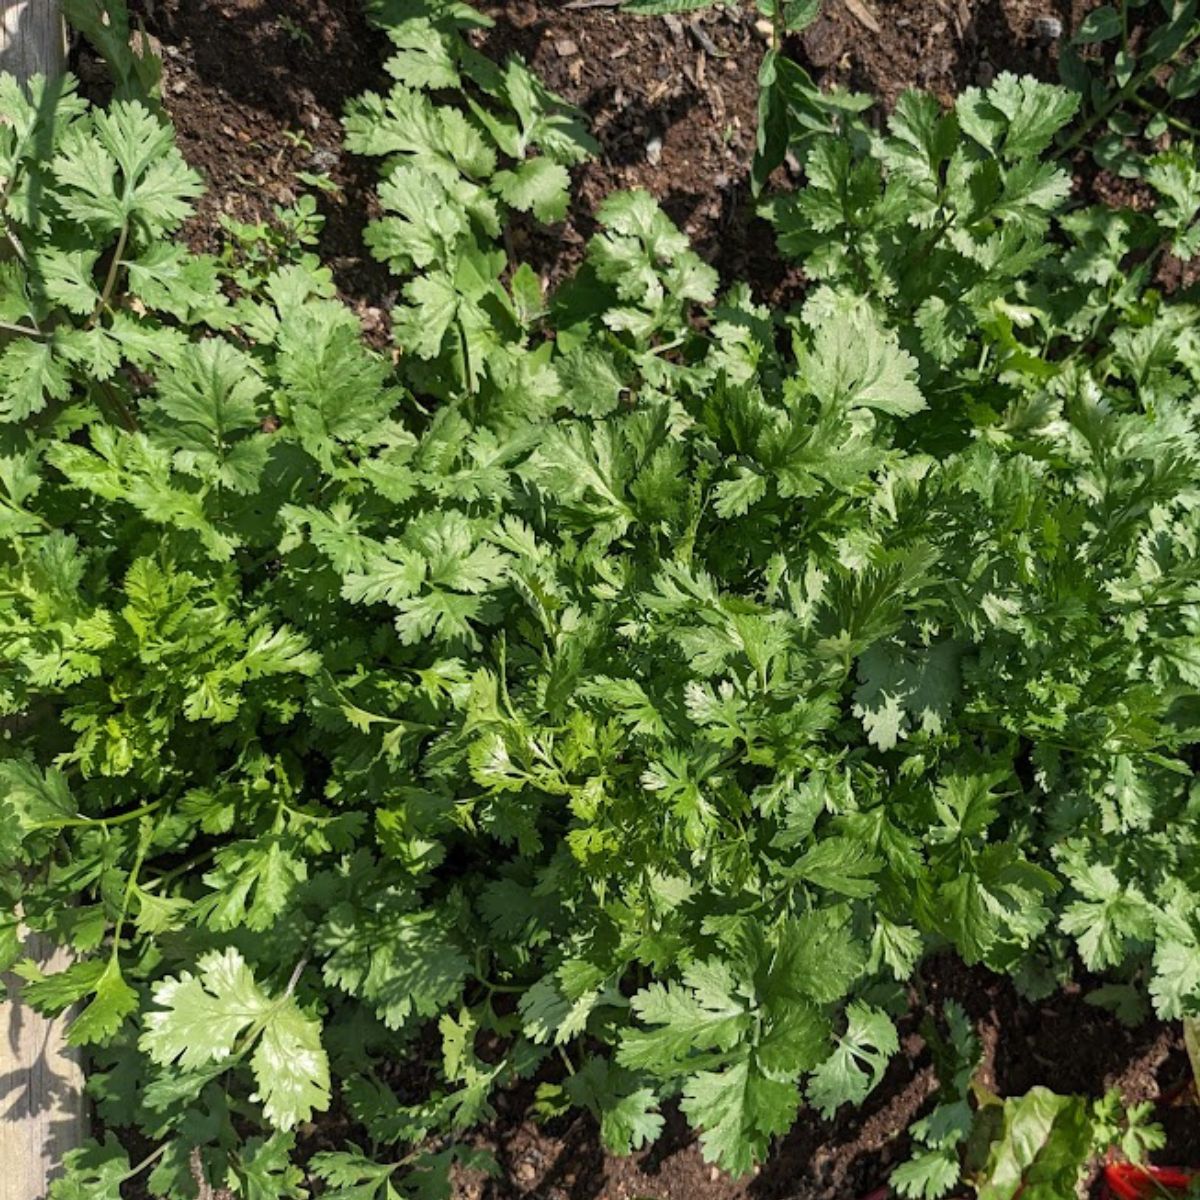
{"type": "Point", "coordinates": [256, 89]}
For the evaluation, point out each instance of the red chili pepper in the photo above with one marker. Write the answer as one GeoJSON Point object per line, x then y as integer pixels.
{"type": "Point", "coordinates": [1127, 1181]}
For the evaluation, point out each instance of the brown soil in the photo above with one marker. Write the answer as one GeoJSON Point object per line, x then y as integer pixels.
{"type": "Point", "coordinates": [256, 89]}
{"type": "Point", "coordinates": [1063, 1043]}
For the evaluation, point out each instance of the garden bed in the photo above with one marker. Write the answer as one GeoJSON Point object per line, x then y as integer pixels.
{"type": "Point", "coordinates": [257, 88]}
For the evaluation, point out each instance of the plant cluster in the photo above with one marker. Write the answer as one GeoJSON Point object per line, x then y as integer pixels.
{"type": "Point", "coordinates": [626, 686]}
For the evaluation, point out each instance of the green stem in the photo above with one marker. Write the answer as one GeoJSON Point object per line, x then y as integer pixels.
{"type": "Point", "coordinates": [1174, 122]}
{"type": "Point", "coordinates": [1191, 1040]}
{"type": "Point", "coordinates": [149, 1160]}
{"type": "Point", "coordinates": [127, 419]}
{"type": "Point", "coordinates": [23, 330]}
{"type": "Point", "coordinates": [183, 869]}
{"type": "Point", "coordinates": [102, 822]}
{"type": "Point", "coordinates": [510, 988]}
{"type": "Point", "coordinates": [110, 280]}
{"type": "Point", "coordinates": [294, 979]}
{"type": "Point", "coordinates": [562, 1053]}
{"type": "Point", "coordinates": [130, 888]}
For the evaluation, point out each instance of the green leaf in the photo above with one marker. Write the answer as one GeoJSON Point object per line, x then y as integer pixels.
{"type": "Point", "coordinates": [264, 1169]}
{"type": "Point", "coordinates": [403, 962]}
{"type": "Point", "coordinates": [350, 1175]}
{"type": "Point", "coordinates": [857, 1064]}
{"type": "Point", "coordinates": [627, 1113]}
{"type": "Point", "coordinates": [854, 362]}
{"type": "Point", "coordinates": [113, 1001]}
{"type": "Point", "coordinates": [1043, 1146]}
{"type": "Point", "coordinates": [840, 865]}
{"type": "Point", "coordinates": [30, 375]}
{"type": "Point", "coordinates": [798, 15]}
{"type": "Point", "coordinates": [1017, 117]}
{"type": "Point", "coordinates": [215, 1016]}
{"type": "Point", "coordinates": [125, 168]}
{"type": "Point", "coordinates": [1098, 26]}
{"type": "Point", "coordinates": [738, 1111]}
{"type": "Point", "coordinates": [536, 185]}
{"type": "Point", "coordinates": [703, 1013]}
{"type": "Point", "coordinates": [68, 278]}
{"type": "Point", "coordinates": [928, 1175]}
{"type": "Point", "coordinates": [424, 55]}
{"type": "Point", "coordinates": [1105, 917]}
{"type": "Point", "coordinates": [93, 1171]}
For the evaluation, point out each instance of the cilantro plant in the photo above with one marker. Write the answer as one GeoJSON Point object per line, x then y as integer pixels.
{"type": "Point", "coordinates": [615, 686]}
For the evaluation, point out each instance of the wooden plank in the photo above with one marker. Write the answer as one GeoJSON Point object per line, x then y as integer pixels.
{"type": "Point", "coordinates": [32, 40]}
{"type": "Point", "coordinates": [42, 1111]}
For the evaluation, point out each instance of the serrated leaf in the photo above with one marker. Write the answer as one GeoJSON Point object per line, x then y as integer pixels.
{"type": "Point", "coordinates": [213, 1018]}
{"type": "Point", "coordinates": [858, 1063]}
{"type": "Point", "coordinates": [538, 186]}
{"type": "Point", "coordinates": [31, 374]}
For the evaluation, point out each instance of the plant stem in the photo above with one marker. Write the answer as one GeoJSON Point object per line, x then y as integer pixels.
{"type": "Point", "coordinates": [130, 887]}
{"type": "Point", "coordinates": [182, 869]}
{"type": "Point", "coordinates": [297, 971]}
{"type": "Point", "coordinates": [1174, 122]}
{"type": "Point", "coordinates": [150, 1158]}
{"type": "Point", "coordinates": [103, 822]}
{"type": "Point", "coordinates": [110, 280]}
{"type": "Point", "coordinates": [127, 419]}
{"type": "Point", "coordinates": [23, 330]}
{"type": "Point", "coordinates": [1191, 1040]}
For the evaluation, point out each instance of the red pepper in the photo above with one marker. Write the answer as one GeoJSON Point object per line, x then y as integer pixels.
{"type": "Point", "coordinates": [1127, 1181]}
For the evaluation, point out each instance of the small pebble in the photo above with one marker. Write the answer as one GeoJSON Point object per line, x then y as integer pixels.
{"type": "Point", "coordinates": [566, 48]}
{"type": "Point", "coordinates": [764, 29]}
{"type": "Point", "coordinates": [654, 151]}
{"type": "Point", "coordinates": [1048, 28]}
{"type": "Point", "coordinates": [323, 160]}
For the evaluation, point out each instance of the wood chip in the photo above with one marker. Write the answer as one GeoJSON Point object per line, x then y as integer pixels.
{"type": "Point", "coordinates": [675, 25]}
{"type": "Point", "coordinates": [966, 19]}
{"type": "Point", "coordinates": [716, 105]}
{"type": "Point", "coordinates": [863, 15]}
{"type": "Point", "coordinates": [704, 41]}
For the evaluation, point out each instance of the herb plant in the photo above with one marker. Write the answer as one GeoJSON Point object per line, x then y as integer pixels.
{"type": "Point", "coordinates": [620, 685]}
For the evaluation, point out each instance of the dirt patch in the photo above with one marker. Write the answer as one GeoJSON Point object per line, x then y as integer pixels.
{"type": "Point", "coordinates": [673, 103]}
{"type": "Point", "coordinates": [256, 89]}
{"type": "Point", "coordinates": [1063, 1043]}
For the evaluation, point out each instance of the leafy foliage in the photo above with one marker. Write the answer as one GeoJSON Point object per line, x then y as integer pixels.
{"type": "Point", "coordinates": [683, 668]}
